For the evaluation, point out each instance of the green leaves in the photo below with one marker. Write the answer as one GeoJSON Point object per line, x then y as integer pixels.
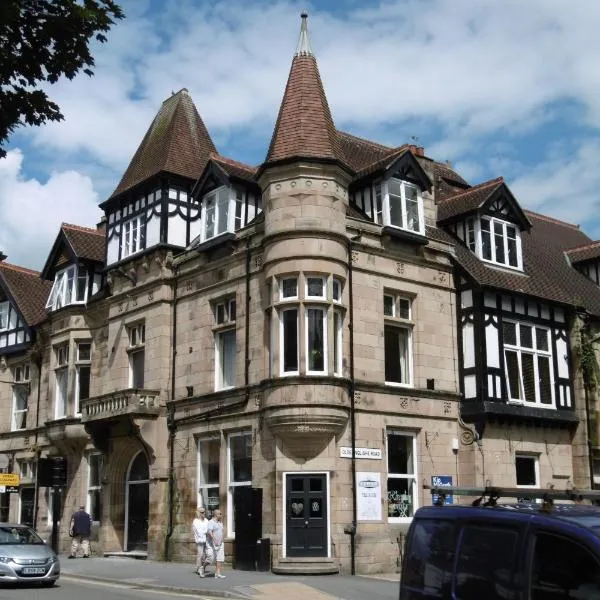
{"type": "Point", "coordinates": [42, 41]}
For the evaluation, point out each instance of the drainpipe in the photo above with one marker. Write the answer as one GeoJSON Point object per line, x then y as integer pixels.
{"type": "Point", "coordinates": [171, 425]}
{"type": "Point", "coordinates": [247, 333]}
{"type": "Point", "coordinates": [587, 377]}
{"type": "Point", "coordinates": [38, 365]}
{"type": "Point", "coordinates": [351, 390]}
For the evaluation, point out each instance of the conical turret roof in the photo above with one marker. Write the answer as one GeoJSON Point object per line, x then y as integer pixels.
{"type": "Point", "coordinates": [177, 141]}
{"type": "Point", "coordinates": [304, 127]}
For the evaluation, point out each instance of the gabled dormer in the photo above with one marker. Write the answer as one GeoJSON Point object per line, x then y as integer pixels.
{"type": "Point", "coordinates": [489, 221]}
{"type": "Point", "coordinates": [390, 192]}
{"type": "Point", "coordinates": [152, 205]}
{"type": "Point", "coordinates": [586, 259]}
{"type": "Point", "coordinates": [22, 297]}
{"type": "Point", "coordinates": [74, 266]}
{"type": "Point", "coordinates": [228, 198]}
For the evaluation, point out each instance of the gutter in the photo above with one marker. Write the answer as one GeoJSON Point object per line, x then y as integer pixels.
{"type": "Point", "coordinates": [38, 365]}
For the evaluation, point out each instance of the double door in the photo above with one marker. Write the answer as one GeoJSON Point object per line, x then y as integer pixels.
{"type": "Point", "coordinates": [306, 515]}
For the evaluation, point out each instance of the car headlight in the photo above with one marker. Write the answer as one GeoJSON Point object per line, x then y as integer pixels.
{"type": "Point", "coordinates": [54, 558]}
{"type": "Point", "coordinates": [5, 559]}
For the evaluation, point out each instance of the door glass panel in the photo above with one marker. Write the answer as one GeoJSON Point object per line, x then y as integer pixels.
{"type": "Point", "coordinates": [297, 485]}
{"type": "Point", "coordinates": [315, 484]}
{"type": "Point", "coordinates": [297, 507]}
{"type": "Point", "coordinates": [316, 508]}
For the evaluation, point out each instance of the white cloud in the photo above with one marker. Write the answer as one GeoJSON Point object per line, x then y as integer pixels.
{"type": "Point", "coordinates": [29, 209]}
{"type": "Point", "coordinates": [465, 70]}
{"type": "Point", "coordinates": [565, 187]}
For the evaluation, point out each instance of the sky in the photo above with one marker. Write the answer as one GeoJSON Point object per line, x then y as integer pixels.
{"type": "Point", "coordinates": [497, 87]}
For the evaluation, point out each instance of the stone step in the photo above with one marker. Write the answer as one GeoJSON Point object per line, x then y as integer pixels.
{"type": "Point", "coordinates": [136, 554]}
{"type": "Point", "coordinates": [306, 566]}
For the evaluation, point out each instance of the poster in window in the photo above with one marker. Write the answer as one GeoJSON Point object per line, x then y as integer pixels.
{"type": "Point", "coordinates": [368, 500]}
{"type": "Point", "coordinates": [439, 481]}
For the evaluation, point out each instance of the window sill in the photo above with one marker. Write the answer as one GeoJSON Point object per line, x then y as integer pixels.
{"type": "Point", "coordinates": [404, 234]}
{"type": "Point", "coordinates": [215, 241]}
{"type": "Point", "coordinates": [399, 385]}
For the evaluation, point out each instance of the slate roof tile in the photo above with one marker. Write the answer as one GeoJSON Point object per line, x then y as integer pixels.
{"type": "Point", "coordinates": [29, 291]}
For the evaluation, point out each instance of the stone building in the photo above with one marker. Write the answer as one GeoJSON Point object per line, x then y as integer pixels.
{"type": "Point", "coordinates": [305, 341]}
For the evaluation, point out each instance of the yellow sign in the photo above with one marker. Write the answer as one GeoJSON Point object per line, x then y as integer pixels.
{"type": "Point", "coordinates": [11, 479]}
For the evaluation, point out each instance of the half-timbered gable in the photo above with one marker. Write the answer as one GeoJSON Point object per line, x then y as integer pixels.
{"type": "Point", "coordinates": [586, 259]}
{"type": "Point", "coordinates": [488, 220]}
{"type": "Point", "coordinates": [74, 266]}
{"type": "Point", "coordinates": [226, 197]}
{"type": "Point", "coordinates": [515, 319]}
{"type": "Point", "coordinates": [152, 205]}
{"type": "Point", "coordinates": [22, 298]}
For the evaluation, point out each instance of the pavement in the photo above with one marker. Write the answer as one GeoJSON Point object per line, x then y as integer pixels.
{"type": "Point", "coordinates": [243, 585]}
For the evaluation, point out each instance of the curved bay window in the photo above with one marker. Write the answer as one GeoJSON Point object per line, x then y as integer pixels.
{"type": "Point", "coordinates": [310, 318]}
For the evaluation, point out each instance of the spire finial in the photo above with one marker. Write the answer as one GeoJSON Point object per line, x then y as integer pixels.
{"type": "Point", "coordinates": [303, 43]}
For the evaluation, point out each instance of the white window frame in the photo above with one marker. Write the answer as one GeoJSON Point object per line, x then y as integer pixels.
{"type": "Point", "coordinates": [136, 334]}
{"type": "Point", "coordinates": [4, 310]}
{"type": "Point", "coordinates": [207, 486]}
{"type": "Point", "coordinates": [219, 355]}
{"type": "Point", "coordinates": [233, 484]}
{"type": "Point", "coordinates": [93, 488]}
{"type": "Point", "coordinates": [131, 236]}
{"type": "Point", "coordinates": [61, 294]}
{"type": "Point", "coordinates": [386, 211]}
{"type": "Point", "coordinates": [336, 297]}
{"type": "Point", "coordinates": [323, 294]}
{"type": "Point", "coordinates": [405, 476]}
{"type": "Point", "coordinates": [61, 376]}
{"type": "Point", "coordinates": [282, 372]}
{"type": "Point", "coordinates": [227, 308]}
{"type": "Point", "coordinates": [338, 342]}
{"type": "Point", "coordinates": [225, 198]}
{"type": "Point", "coordinates": [493, 260]}
{"type": "Point", "coordinates": [323, 309]}
{"type": "Point", "coordinates": [520, 350]}
{"type": "Point", "coordinates": [536, 461]}
{"type": "Point", "coordinates": [402, 322]}
{"type": "Point", "coordinates": [284, 298]}
{"type": "Point", "coordinates": [20, 392]}
{"type": "Point", "coordinates": [79, 363]}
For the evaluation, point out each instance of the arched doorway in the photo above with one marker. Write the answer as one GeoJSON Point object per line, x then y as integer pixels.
{"type": "Point", "coordinates": [138, 504]}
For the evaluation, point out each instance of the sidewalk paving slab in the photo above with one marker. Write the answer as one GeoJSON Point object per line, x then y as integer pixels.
{"type": "Point", "coordinates": [244, 585]}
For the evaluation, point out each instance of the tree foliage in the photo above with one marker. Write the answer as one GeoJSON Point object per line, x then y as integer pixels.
{"type": "Point", "coordinates": [41, 41]}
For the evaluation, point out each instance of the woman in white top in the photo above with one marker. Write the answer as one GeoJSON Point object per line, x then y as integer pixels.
{"type": "Point", "coordinates": [215, 542]}
{"type": "Point", "coordinates": [199, 528]}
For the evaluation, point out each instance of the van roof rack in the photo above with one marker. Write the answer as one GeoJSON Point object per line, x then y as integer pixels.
{"type": "Point", "coordinates": [490, 494]}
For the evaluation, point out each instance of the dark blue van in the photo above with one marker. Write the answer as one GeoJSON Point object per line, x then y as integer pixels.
{"type": "Point", "coordinates": [504, 552]}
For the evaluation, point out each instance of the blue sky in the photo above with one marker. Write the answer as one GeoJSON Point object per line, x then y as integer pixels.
{"type": "Point", "coordinates": [507, 88]}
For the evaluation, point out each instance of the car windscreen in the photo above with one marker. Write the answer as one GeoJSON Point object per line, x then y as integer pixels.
{"type": "Point", "coordinates": [590, 521]}
{"type": "Point", "coordinates": [18, 535]}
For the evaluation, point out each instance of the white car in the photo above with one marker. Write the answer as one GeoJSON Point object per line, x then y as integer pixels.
{"type": "Point", "coordinates": [25, 557]}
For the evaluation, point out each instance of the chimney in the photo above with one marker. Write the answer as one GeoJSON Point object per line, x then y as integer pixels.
{"type": "Point", "coordinates": [101, 225]}
{"type": "Point", "coordinates": [416, 150]}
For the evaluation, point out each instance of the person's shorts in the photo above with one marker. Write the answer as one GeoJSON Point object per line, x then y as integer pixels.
{"type": "Point", "coordinates": [213, 554]}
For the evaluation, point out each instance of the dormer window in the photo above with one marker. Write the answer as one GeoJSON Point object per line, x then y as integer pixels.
{"type": "Point", "coordinates": [70, 287]}
{"type": "Point", "coordinates": [394, 203]}
{"type": "Point", "coordinates": [493, 240]}
{"type": "Point", "coordinates": [222, 212]}
{"type": "Point", "coordinates": [132, 237]}
{"type": "Point", "coordinates": [4, 315]}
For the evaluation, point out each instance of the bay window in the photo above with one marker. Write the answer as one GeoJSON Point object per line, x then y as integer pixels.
{"type": "Point", "coordinates": [289, 341]}
{"type": "Point", "coordinates": [222, 211]}
{"type": "Point", "coordinates": [71, 286]}
{"type": "Point", "coordinates": [528, 364]}
{"type": "Point", "coordinates": [316, 340]}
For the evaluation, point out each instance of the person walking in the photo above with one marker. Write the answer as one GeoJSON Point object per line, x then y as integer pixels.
{"type": "Point", "coordinates": [199, 529]}
{"type": "Point", "coordinates": [216, 539]}
{"type": "Point", "coordinates": [80, 530]}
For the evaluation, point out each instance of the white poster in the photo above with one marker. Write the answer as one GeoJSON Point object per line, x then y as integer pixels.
{"type": "Point", "coordinates": [368, 496]}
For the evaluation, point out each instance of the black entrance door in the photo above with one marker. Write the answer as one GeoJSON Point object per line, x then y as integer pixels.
{"type": "Point", "coordinates": [306, 515]}
{"type": "Point", "coordinates": [247, 520]}
{"type": "Point", "coordinates": [138, 504]}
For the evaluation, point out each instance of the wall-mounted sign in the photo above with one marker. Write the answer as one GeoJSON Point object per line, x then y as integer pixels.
{"type": "Point", "coordinates": [440, 481]}
{"type": "Point", "coordinates": [11, 479]}
{"type": "Point", "coordinates": [9, 489]}
{"type": "Point", "coordinates": [374, 453]}
{"type": "Point", "coordinates": [368, 496]}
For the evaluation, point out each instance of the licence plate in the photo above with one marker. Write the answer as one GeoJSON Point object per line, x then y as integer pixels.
{"type": "Point", "coordinates": [34, 571]}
